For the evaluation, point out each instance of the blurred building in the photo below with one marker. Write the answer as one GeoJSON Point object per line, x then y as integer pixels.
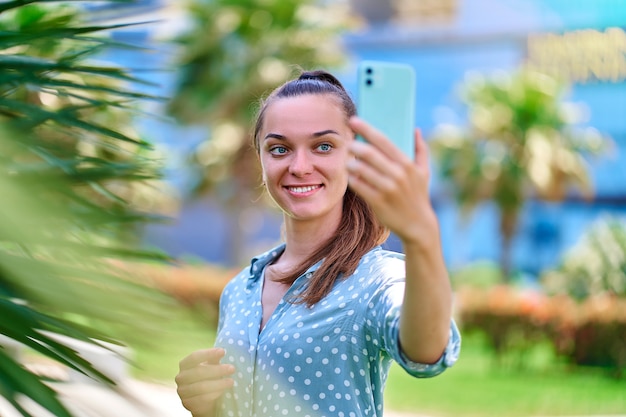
{"type": "Point", "coordinates": [442, 39]}
{"type": "Point", "coordinates": [584, 41]}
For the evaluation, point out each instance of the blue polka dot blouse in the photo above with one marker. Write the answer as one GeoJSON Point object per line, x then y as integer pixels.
{"type": "Point", "coordinates": [328, 360]}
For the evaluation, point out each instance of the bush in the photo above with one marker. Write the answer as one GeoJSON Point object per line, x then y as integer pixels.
{"type": "Point", "coordinates": [588, 333]}
{"type": "Point", "coordinates": [595, 265]}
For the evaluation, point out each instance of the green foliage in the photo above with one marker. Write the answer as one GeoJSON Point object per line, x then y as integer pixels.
{"type": "Point", "coordinates": [474, 387]}
{"type": "Point", "coordinates": [70, 167]}
{"type": "Point", "coordinates": [595, 265]}
{"type": "Point", "coordinates": [188, 329]}
{"type": "Point", "coordinates": [481, 274]}
{"type": "Point", "coordinates": [522, 140]}
{"type": "Point", "coordinates": [521, 137]}
{"type": "Point", "coordinates": [232, 54]}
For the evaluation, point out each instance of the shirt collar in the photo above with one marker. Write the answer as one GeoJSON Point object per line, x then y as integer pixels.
{"type": "Point", "coordinates": [259, 262]}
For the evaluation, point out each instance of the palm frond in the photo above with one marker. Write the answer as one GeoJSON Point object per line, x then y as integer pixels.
{"type": "Point", "coordinates": [68, 165]}
{"type": "Point", "coordinates": [17, 380]}
{"type": "Point", "coordinates": [9, 5]}
{"type": "Point", "coordinates": [33, 65]}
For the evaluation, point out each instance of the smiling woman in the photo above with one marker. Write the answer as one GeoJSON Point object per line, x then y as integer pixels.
{"type": "Point", "coordinates": [311, 117]}
{"type": "Point", "coordinates": [330, 282]}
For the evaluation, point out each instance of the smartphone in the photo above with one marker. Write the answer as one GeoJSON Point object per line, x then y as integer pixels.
{"type": "Point", "coordinates": [386, 100]}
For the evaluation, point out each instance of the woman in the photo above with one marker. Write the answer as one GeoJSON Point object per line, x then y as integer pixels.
{"type": "Point", "coordinates": [310, 328]}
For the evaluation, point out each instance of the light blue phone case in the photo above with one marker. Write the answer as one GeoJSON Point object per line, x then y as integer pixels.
{"type": "Point", "coordinates": [386, 99]}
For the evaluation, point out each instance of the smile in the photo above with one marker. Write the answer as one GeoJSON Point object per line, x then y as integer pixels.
{"type": "Point", "coordinates": [303, 190]}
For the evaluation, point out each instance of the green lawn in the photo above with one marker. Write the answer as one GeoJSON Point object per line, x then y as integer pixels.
{"type": "Point", "coordinates": [474, 387]}
{"type": "Point", "coordinates": [477, 386]}
{"type": "Point", "coordinates": [179, 336]}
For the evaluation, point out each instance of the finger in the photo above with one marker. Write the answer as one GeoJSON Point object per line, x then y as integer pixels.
{"type": "Point", "coordinates": [203, 372]}
{"type": "Point", "coordinates": [385, 170]}
{"type": "Point", "coordinates": [385, 158]}
{"type": "Point", "coordinates": [364, 190]}
{"type": "Point", "coordinates": [203, 387]}
{"type": "Point", "coordinates": [211, 355]}
{"type": "Point", "coordinates": [376, 138]}
{"type": "Point", "coordinates": [369, 175]}
{"type": "Point", "coordinates": [201, 404]}
{"type": "Point", "coordinates": [381, 172]}
{"type": "Point", "coordinates": [421, 150]}
{"type": "Point", "coordinates": [367, 154]}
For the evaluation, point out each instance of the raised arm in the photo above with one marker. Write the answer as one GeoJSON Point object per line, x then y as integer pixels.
{"type": "Point", "coordinates": [397, 190]}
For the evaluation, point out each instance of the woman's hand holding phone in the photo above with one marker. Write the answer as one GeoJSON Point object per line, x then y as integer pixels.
{"type": "Point", "coordinates": [390, 169]}
{"type": "Point", "coordinates": [394, 185]}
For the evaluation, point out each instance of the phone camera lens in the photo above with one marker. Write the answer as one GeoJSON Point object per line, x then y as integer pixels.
{"type": "Point", "coordinates": [368, 81]}
{"type": "Point", "coordinates": [369, 71]}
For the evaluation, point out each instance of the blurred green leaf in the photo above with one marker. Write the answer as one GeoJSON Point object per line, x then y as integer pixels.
{"type": "Point", "coordinates": [71, 167]}
{"type": "Point", "coordinates": [17, 380]}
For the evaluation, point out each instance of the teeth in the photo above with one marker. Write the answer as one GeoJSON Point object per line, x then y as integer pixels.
{"type": "Point", "coordinates": [302, 189]}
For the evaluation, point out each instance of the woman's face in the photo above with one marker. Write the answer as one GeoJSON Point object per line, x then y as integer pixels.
{"type": "Point", "coordinates": [304, 149]}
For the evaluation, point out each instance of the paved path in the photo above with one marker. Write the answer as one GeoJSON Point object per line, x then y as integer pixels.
{"type": "Point", "coordinates": [133, 399]}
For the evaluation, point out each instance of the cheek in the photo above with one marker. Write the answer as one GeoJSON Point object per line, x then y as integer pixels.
{"type": "Point", "coordinates": [263, 168]}
{"type": "Point", "coordinates": [268, 171]}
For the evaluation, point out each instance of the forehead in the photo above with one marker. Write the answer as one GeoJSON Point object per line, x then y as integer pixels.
{"type": "Point", "coordinates": [304, 111]}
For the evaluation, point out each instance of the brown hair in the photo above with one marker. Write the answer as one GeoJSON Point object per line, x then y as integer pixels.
{"type": "Point", "coordinates": [359, 230]}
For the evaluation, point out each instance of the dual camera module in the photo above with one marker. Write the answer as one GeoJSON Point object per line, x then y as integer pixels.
{"type": "Point", "coordinates": [369, 72]}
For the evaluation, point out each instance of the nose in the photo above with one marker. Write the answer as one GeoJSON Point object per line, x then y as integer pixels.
{"type": "Point", "coordinates": [301, 164]}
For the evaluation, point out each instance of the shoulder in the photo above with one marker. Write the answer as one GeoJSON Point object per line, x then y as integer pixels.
{"type": "Point", "coordinates": [236, 284]}
{"type": "Point", "coordinates": [380, 278]}
{"type": "Point", "coordinates": [380, 268]}
{"type": "Point", "coordinates": [383, 263]}
{"type": "Point", "coordinates": [252, 273]}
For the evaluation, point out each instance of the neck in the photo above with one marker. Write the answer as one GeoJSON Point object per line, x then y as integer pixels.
{"type": "Point", "coordinates": [304, 238]}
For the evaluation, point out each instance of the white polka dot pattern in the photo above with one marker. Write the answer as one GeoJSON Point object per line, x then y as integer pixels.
{"type": "Point", "coordinates": [328, 360]}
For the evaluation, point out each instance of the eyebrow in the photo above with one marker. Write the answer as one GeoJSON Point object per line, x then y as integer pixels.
{"type": "Point", "coordinates": [315, 134]}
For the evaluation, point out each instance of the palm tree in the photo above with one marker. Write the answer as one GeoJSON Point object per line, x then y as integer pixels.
{"type": "Point", "coordinates": [231, 55]}
{"type": "Point", "coordinates": [522, 140]}
{"type": "Point", "coordinates": [69, 164]}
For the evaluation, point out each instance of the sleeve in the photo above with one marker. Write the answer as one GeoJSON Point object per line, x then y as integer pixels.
{"type": "Point", "coordinates": [385, 311]}
{"type": "Point", "coordinates": [448, 358]}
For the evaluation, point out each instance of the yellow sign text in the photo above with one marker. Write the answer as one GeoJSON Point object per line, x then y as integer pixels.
{"type": "Point", "coordinates": [580, 56]}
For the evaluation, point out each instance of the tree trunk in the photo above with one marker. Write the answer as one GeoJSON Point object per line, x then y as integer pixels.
{"type": "Point", "coordinates": [508, 226]}
{"type": "Point", "coordinates": [246, 191]}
